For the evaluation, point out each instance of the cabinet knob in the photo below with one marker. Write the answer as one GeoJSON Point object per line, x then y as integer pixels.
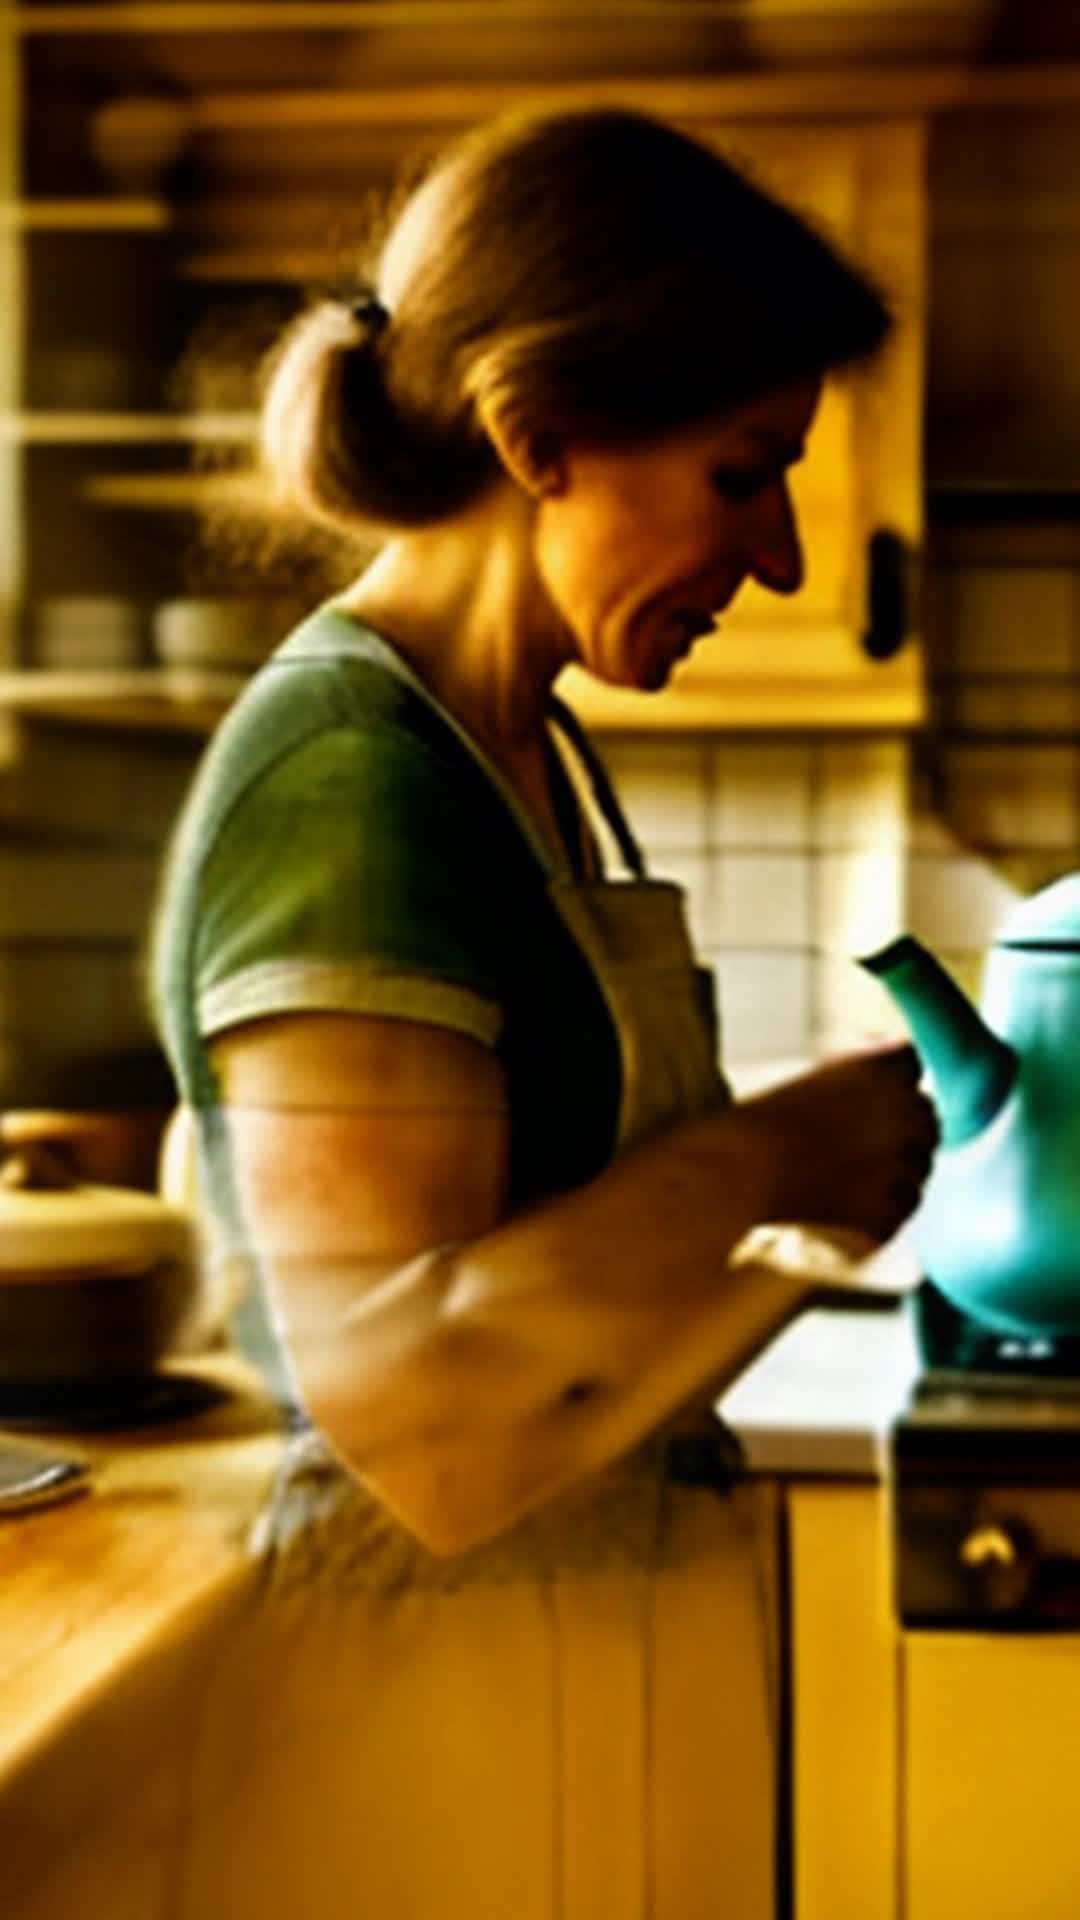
{"type": "Point", "coordinates": [992, 1546]}
{"type": "Point", "coordinates": [888, 594]}
{"type": "Point", "coordinates": [1002, 1558]}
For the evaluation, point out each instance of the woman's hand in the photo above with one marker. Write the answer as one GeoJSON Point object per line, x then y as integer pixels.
{"type": "Point", "coordinates": [850, 1143]}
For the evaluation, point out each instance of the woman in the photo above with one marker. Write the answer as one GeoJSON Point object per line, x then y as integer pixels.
{"type": "Point", "coordinates": [457, 1086]}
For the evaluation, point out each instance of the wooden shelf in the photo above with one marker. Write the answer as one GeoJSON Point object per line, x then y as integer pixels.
{"type": "Point", "coordinates": [176, 492]}
{"type": "Point", "coordinates": [417, 16]}
{"type": "Point", "coordinates": [790, 94]}
{"type": "Point", "coordinates": [100, 214]}
{"type": "Point", "coordinates": [123, 429]}
{"type": "Point", "coordinates": [153, 699]}
{"type": "Point", "coordinates": [257, 265]}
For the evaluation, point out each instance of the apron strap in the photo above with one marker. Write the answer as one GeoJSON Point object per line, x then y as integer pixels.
{"type": "Point", "coordinates": [600, 785]}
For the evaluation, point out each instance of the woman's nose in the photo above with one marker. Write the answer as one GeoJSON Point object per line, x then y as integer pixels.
{"type": "Point", "coordinates": [774, 550]}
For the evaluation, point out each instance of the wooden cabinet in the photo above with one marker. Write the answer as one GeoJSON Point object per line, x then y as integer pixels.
{"type": "Point", "coordinates": [932, 1772]}
{"type": "Point", "coordinates": [182, 178]}
{"type": "Point", "coordinates": [845, 1802]}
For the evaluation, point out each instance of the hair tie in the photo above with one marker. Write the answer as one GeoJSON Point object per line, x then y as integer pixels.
{"type": "Point", "coordinates": [368, 311]}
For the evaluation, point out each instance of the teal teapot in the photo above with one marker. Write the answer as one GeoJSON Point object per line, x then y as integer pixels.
{"type": "Point", "coordinates": [998, 1227]}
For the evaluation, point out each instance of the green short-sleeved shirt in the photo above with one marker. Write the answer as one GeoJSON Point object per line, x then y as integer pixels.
{"type": "Point", "coordinates": [344, 849]}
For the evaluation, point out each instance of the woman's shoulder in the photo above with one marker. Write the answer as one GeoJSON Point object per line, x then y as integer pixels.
{"type": "Point", "coordinates": [331, 714]}
{"type": "Point", "coordinates": [331, 674]}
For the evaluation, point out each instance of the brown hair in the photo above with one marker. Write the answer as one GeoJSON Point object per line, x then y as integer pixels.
{"type": "Point", "coordinates": [594, 274]}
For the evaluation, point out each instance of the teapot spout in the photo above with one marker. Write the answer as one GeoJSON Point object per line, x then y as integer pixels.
{"type": "Point", "coordinates": [971, 1069]}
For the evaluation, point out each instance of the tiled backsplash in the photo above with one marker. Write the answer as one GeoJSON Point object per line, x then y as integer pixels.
{"type": "Point", "coordinates": [791, 850]}
{"type": "Point", "coordinates": [996, 785]}
{"type": "Point", "coordinates": [800, 852]}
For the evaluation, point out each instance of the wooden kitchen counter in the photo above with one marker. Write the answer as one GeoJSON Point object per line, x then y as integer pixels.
{"type": "Point", "coordinates": [108, 1603]}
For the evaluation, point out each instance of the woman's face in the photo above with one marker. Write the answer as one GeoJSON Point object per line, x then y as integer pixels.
{"type": "Point", "coordinates": [641, 548]}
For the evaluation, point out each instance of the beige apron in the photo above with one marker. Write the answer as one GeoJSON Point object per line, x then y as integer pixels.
{"type": "Point", "coordinates": [575, 1723]}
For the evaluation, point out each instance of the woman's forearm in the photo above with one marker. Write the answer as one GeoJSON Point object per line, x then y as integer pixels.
{"type": "Point", "coordinates": [467, 1362]}
{"type": "Point", "coordinates": [471, 1384]}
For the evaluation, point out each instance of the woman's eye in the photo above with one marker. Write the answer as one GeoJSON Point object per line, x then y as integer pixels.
{"type": "Point", "coordinates": [740, 483]}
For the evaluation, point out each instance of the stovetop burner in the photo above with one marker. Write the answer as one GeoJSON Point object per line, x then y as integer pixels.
{"type": "Point", "coordinates": [955, 1349]}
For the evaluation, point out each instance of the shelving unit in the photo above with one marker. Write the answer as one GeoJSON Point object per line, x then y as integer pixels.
{"type": "Point", "coordinates": [96, 215]}
{"type": "Point", "coordinates": [273, 126]}
{"type": "Point", "coordinates": [142, 699]}
{"type": "Point", "coordinates": [47, 428]}
{"type": "Point", "coordinates": [280, 127]}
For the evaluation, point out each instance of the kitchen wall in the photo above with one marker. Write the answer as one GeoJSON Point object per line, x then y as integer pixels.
{"type": "Point", "coordinates": [799, 853]}
{"type": "Point", "coordinates": [791, 849]}
{"type": "Point", "coordinates": [84, 814]}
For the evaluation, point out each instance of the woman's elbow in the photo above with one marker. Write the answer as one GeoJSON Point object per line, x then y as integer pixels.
{"type": "Point", "coordinates": [448, 1493]}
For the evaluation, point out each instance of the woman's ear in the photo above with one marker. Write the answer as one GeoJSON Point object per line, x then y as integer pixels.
{"type": "Point", "coordinates": [533, 458]}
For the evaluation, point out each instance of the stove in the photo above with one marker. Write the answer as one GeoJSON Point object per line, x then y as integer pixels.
{"type": "Point", "coordinates": [985, 1477]}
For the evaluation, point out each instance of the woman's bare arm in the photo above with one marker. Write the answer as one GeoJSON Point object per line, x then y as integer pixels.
{"type": "Point", "coordinates": [468, 1365]}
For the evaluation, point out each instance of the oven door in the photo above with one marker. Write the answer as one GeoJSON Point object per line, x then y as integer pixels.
{"type": "Point", "coordinates": [932, 1760]}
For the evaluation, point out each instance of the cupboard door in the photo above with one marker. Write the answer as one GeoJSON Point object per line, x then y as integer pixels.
{"type": "Point", "coordinates": [989, 1776]}
{"type": "Point", "coordinates": [844, 1708]}
{"type": "Point", "coordinates": [798, 661]}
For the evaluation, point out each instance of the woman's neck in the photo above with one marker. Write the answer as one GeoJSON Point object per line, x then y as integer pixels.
{"type": "Point", "coordinates": [464, 605]}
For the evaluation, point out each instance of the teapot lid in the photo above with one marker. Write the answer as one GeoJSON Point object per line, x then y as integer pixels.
{"type": "Point", "coordinates": [1049, 919]}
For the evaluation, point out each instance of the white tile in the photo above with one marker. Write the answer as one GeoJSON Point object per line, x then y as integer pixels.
{"type": "Point", "coordinates": [863, 794]}
{"type": "Point", "coordinates": [980, 706]}
{"type": "Point", "coordinates": [1013, 795]}
{"type": "Point", "coordinates": [1047, 707]}
{"type": "Point", "coordinates": [761, 793]}
{"type": "Point", "coordinates": [1034, 868]}
{"type": "Point", "coordinates": [966, 968]}
{"type": "Point", "coordinates": [764, 1004]}
{"type": "Point", "coordinates": [852, 1007]}
{"type": "Point", "coordinates": [957, 903]}
{"type": "Point", "coordinates": [928, 829]}
{"type": "Point", "coordinates": [759, 900]}
{"type": "Point", "coordinates": [1010, 620]}
{"type": "Point", "coordinates": [859, 900]}
{"type": "Point", "coordinates": [936, 613]}
{"type": "Point", "coordinates": [662, 787]}
{"type": "Point", "coordinates": [747, 1077]}
{"type": "Point", "coordinates": [690, 871]}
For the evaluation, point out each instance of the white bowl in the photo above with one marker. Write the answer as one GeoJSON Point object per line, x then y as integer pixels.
{"type": "Point", "coordinates": [235, 631]}
{"type": "Point", "coordinates": [87, 630]}
{"type": "Point", "coordinates": [136, 139]}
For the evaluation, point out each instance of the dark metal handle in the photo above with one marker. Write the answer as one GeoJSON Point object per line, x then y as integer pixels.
{"type": "Point", "coordinates": [888, 595]}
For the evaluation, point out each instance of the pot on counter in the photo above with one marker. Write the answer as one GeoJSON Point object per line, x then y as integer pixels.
{"type": "Point", "coordinates": [97, 1283]}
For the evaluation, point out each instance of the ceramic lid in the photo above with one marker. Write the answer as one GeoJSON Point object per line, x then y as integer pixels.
{"type": "Point", "coordinates": [50, 1222]}
{"type": "Point", "coordinates": [1050, 918]}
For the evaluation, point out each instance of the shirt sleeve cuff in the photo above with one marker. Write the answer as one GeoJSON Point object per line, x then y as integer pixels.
{"type": "Point", "coordinates": [316, 986]}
